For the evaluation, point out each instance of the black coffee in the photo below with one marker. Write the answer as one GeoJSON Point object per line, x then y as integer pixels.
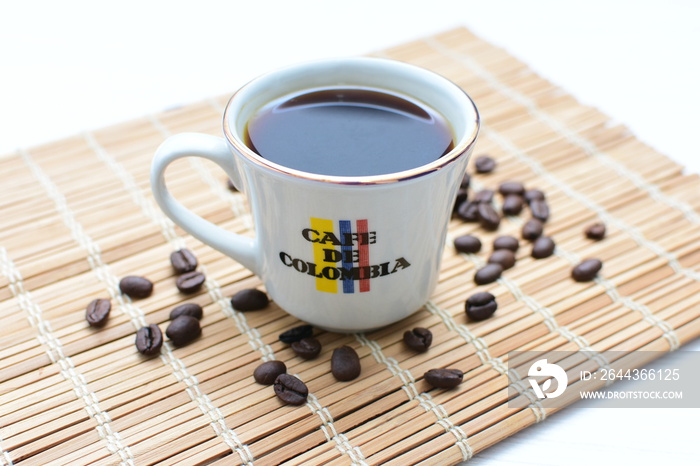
{"type": "Point", "coordinates": [348, 132]}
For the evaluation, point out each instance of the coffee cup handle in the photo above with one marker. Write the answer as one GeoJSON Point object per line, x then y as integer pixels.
{"type": "Point", "coordinates": [243, 249]}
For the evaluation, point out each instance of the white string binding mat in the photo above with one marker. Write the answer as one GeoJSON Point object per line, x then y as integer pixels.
{"type": "Point", "coordinates": [602, 213]}
{"type": "Point", "coordinates": [342, 444]}
{"type": "Point", "coordinates": [560, 128]}
{"type": "Point", "coordinates": [177, 243]}
{"type": "Point", "coordinates": [100, 222]}
{"type": "Point", "coordinates": [424, 399]}
{"type": "Point", "coordinates": [5, 459]}
{"type": "Point", "coordinates": [482, 351]}
{"type": "Point", "coordinates": [154, 214]}
{"type": "Point", "coordinates": [537, 167]}
{"type": "Point", "coordinates": [312, 403]}
{"type": "Point", "coordinates": [136, 315]}
{"type": "Point", "coordinates": [635, 234]}
{"type": "Point", "coordinates": [611, 290]}
{"type": "Point", "coordinates": [548, 317]}
{"type": "Point", "coordinates": [167, 229]}
{"type": "Point", "coordinates": [70, 373]}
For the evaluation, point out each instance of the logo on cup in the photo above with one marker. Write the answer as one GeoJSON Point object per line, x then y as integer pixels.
{"type": "Point", "coordinates": [542, 368]}
{"type": "Point", "coordinates": [344, 247]}
{"type": "Point", "coordinates": [341, 254]}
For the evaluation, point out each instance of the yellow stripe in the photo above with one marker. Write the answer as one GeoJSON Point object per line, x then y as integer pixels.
{"type": "Point", "coordinates": [322, 284]}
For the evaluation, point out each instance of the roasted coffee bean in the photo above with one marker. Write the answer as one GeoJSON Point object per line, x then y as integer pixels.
{"type": "Point", "coordinates": [466, 181]}
{"type": "Point", "coordinates": [250, 299]}
{"type": "Point", "coordinates": [506, 242]}
{"type": "Point", "coordinates": [296, 334]}
{"type": "Point", "coordinates": [267, 372]}
{"type": "Point", "coordinates": [586, 270]}
{"type": "Point", "coordinates": [539, 210]}
{"type": "Point", "coordinates": [290, 390]}
{"type": "Point", "coordinates": [183, 261]}
{"type": "Point", "coordinates": [462, 196]}
{"type": "Point", "coordinates": [345, 364]}
{"type": "Point", "coordinates": [532, 229]}
{"type": "Point", "coordinates": [230, 185]}
{"type": "Point", "coordinates": [136, 287]}
{"type": "Point", "coordinates": [468, 211]}
{"type": "Point", "coordinates": [533, 195]}
{"type": "Point", "coordinates": [511, 187]}
{"type": "Point", "coordinates": [595, 231]}
{"type": "Point", "coordinates": [542, 247]}
{"type": "Point", "coordinates": [149, 340]}
{"type": "Point", "coordinates": [419, 339]}
{"type": "Point", "coordinates": [485, 195]}
{"type": "Point", "coordinates": [187, 309]}
{"type": "Point", "coordinates": [488, 217]}
{"type": "Point", "coordinates": [444, 378]}
{"type": "Point", "coordinates": [183, 330]}
{"type": "Point", "coordinates": [97, 312]}
{"type": "Point", "coordinates": [488, 274]}
{"type": "Point", "coordinates": [512, 205]}
{"type": "Point", "coordinates": [484, 164]}
{"type": "Point", "coordinates": [190, 282]}
{"type": "Point", "coordinates": [504, 257]}
{"type": "Point", "coordinates": [480, 306]}
{"type": "Point", "coordinates": [307, 348]}
{"type": "Point", "coordinates": [468, 244]}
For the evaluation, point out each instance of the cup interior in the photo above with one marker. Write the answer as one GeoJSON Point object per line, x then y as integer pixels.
{"type": "Point", "coordinates": [430, 88]}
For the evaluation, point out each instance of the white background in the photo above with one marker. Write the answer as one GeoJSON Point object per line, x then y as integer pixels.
{"type": "Point", "coordinates": [71, 66]}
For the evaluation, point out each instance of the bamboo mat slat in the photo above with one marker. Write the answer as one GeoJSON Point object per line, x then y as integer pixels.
{"type": "Point", "coordinates": [78, 214]}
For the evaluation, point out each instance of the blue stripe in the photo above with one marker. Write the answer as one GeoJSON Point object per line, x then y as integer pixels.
{"type": "Point", "coordinates": [346, 228]}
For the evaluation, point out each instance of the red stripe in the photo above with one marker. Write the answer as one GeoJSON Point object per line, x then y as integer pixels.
{"type": "Point", "coordinates": [363, 249]}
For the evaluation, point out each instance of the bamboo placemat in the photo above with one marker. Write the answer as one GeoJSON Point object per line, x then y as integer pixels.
{"type": "Point", "coordinates": [78, 214]}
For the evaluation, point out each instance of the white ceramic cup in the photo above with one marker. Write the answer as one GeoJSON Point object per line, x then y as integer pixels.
{"type": "Point", "coordinates": [342, 253]}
